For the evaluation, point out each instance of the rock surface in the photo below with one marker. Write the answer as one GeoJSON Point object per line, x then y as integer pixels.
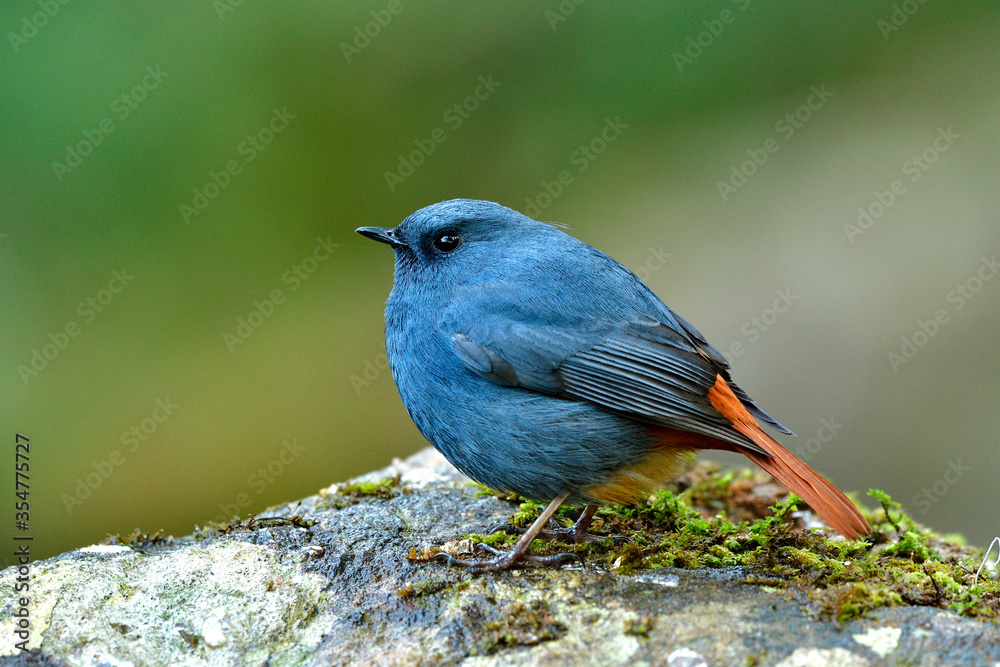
{"type": "Point", "coordinates": [342, 591]}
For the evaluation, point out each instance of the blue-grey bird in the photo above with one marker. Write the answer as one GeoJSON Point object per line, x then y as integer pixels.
{"type": "Point", "coordinates": [539, 365]}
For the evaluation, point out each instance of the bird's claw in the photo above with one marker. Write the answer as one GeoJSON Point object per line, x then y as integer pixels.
{"type": "Point", "coordinates": [565, 534]}
{"type": "Point", "coordinates": [504, 527]}
{"type": "Point", "coordinates": [505, 560]}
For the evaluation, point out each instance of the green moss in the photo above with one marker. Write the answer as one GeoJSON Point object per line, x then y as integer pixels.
{"type": "Point", "coordinates": [138, 539]}
{"type": "Point", "coordinates": [526, 513]}
{"type": "Point", "coordinates": [485, 491]}
{"type": "Point", "coordinates": [955, 538]}
{"type": "Point", "coordinates": [975, 602]}
{"type": "Point", "coordinates": [421, 588]}
{"type": "Point", "coordinates": [709, 519]}
{"type": "Point", "coordinates": [639, 627]}
{"type": "Point", "coordinates": [691, 526]}
{"type": "Point", "coordinates": [499, 540]}
{"type": "Point", "coordinates": [383, 488]}
{"type": "Point", "coordinates": [913, 545]}
{"type": "Point", "coordinates": [349, 494]}
{"type": "Point", "coordinates": [854, 600]}
{"type": "Point", "coordinates": [804, 559]}
{"type": "Point", "coordinates": [125, 590]}
{"type": "Point", "coordinates": [521, 624]}
{"type": "Point", "coordinates": [630, 559]}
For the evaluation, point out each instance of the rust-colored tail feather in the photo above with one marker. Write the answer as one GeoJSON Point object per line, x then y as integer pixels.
{"type": "Point", "coordinates": [835, 508]}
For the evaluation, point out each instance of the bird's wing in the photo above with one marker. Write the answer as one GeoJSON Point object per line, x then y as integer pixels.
{"type": "Point", "coordinates": [641, 367]}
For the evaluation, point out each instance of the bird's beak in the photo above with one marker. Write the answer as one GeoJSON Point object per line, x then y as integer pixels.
{"type": "Point", "coordinates": [382, 235]}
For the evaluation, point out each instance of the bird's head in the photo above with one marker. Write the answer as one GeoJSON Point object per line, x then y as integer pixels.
{"type": "Point", "coordinates": [462, 238]}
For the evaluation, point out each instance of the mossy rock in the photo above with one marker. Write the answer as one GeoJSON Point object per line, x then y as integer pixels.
{"type": "Point", "coordinates": [720, 568]}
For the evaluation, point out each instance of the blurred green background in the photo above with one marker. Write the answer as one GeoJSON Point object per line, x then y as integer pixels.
{"type": "Point", "coordinates": [117, 116]}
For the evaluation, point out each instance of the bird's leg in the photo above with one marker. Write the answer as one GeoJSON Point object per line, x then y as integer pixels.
{"type": "Point", "coordinates": [505, 559]}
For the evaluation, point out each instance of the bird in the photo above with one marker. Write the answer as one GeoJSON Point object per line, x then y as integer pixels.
{"type": "Point", "coordinates": [540, 366]}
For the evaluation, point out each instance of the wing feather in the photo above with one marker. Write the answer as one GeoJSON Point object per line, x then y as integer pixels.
{"type": "Point", "coordinates": [657, 370]}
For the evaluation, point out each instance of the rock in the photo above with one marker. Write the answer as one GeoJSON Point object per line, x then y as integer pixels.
{"type": "Point", "coordinates": [328, 581]}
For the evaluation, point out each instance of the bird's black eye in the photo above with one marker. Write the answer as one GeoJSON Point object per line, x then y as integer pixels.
{"type": "Point", "coordinates": [447, 242]}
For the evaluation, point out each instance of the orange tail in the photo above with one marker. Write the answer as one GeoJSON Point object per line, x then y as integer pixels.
{"type": "Point", "coordinates": [835, 508]}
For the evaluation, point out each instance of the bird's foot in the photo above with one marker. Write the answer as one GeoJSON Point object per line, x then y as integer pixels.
{"type": "Point", "coordinates": [563, 533]}
{"type": "Point", "coordinates": [504, 560]}
{"type": "Point", "coordinates": [575, 533]}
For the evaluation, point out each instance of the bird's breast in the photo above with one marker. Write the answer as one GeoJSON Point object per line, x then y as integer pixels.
{"type": "Point", "coordinates": [508, 438]}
